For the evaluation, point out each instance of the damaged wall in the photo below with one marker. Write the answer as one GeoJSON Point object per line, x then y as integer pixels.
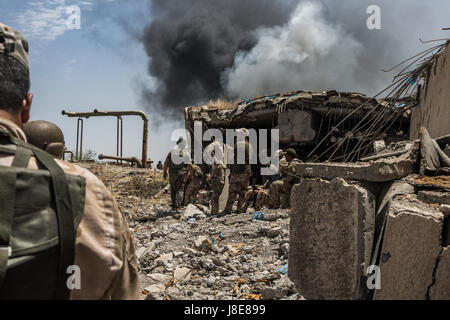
{"type": "Point", "coordinates": [348, 216]}
{"type": "Point", "coordinates": [433, 111]}
{"type": "Point", "coordinates": [306, 118]}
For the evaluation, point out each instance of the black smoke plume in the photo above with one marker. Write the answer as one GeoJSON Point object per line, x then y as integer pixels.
{"type": "Point", "coordinates": [204, 49]}
{"type": "Point", "coordinates": [191, 42]}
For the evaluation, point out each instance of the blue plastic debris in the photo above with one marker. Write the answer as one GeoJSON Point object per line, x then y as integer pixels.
{"type": "Point", "coordinates": [259, 215]}
{"type": "Point", "coordinates": [213, 241]}
{"type": "Point", "coordinates": [283, 270]}
{"type": "Point", "coordinates": [221, 236]}
{"type": "Point", "coordinates": [192, 220]}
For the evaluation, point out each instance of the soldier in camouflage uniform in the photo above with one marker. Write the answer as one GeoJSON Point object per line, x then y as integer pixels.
{"type": "Point", "coordinates": [177, 163]}
{"type": "Point", "coordinates": [195, 180]}
{"type": "Point", "coordinates": [280, 191]}
{"type": "Point", "coordinates": [217, 182]}
{"type": "Point", "coordinates": [258, 196]}
{"type": "Point", "coordinates": [239, 178]}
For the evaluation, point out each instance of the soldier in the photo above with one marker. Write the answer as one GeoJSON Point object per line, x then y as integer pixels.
{"type": "Point", "coordinates": [46, 136]}
{"type": "Point", "coordinates": [257, 195]}
{"type": "Point", "coordinates": [217, 182]}
{"type": "Point", "coordinates": [95, 245]}
{"type": "Point", "coordinates": [195, 180]}
{"type": "Point", "coordinates": [280, 190]}
{"type": "Point", "coordinates": [240, 174]}
{"type": "Point", "coordinates": [177, 163]}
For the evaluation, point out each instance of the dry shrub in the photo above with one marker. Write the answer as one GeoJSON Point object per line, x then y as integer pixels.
{"type": "Point", "coordinates": [223, 104]}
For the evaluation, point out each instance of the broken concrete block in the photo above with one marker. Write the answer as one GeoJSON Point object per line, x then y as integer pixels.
{"type": "Point", "coordinates": [140, 252]}
{"type": "Point", "coordinates": [181, 274]}
{"type": "Point", "coordinates": [434, 197]}
{"type": "Point", "coordinates": [201, 243]}
{"type": "Point", "coordinates": [411, 247]}
{"type": "Point", "coordinates": [441, 287]}
{"type": "Point", "coordinates": [156, 288]}
{"type": "Point", "coordinates": [332, 228]}
{"type": "Point", "coordinates": [383, 170]}
{"type": "Point", "coordinates": [192, 211]}
{"type": "Point", "coordinates": [159, 278]}
{"type": "Point", "coordinates": [274, 232]}
{"type": "Point", "coordinates": [165, 259]}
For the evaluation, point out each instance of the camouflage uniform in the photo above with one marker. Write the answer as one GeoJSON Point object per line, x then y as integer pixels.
{"type": "Point", "coordinates": [194, 185]}
{"type": "Point", "coordinates": [177, 176]}
{"type": "Point", "coordinates": [261, 199]}
{"type": "Point", "coordinates": [104, 248]}
{"type": "Point", "coordinates": [239, 181]}
{"type": "Point", "coordinates": [280, 190]}
{"type": "Point", "coordinates": [217, 182]}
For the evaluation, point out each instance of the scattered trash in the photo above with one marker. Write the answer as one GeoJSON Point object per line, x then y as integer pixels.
{"type": "Point", "coordinates": [221, 236]}
{"type": "Point", "coordinates": [191, 220]}
{"type": "Point", "coordinates": [259, 215]}
{"type": "Point", "coordinates": [283, 270]}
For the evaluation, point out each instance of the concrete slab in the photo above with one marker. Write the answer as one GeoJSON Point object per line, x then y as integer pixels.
{"type": "Point", "coordinates": [434, 197]}
{"type": "Point", "coordinates": [382, 170]}
{"type": "Point", "coordinates": [411, 247]}
{"type": "Point", "coordinates": [441, 288]}
{"type": "Point", "coordinates": [331, 238]}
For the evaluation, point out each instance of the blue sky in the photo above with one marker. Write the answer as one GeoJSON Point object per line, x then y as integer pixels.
{"type": "Point", "coordinates": [98, 66]}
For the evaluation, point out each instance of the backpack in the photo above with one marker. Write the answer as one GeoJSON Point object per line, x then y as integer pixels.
{"type": "Point", "coordinates": [40, 211]}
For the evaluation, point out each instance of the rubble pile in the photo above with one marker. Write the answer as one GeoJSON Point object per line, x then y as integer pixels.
{"type": "Point", "coordinates": [306, 118]}
{"type": "Point", "coordinates": [390, 215]}
{"type": "Point", "coordinates": [199, 257]}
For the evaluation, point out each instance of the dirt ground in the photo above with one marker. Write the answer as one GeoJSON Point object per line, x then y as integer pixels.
{"type": "Point", "coordinates": [200, 257]}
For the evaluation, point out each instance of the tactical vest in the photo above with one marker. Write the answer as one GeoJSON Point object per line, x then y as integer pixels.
{"type": "Point", "coordinates": [40, 211]}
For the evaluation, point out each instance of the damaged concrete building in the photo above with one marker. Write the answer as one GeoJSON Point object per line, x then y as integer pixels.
{"type": "Point", "coordinates": [363, 213]}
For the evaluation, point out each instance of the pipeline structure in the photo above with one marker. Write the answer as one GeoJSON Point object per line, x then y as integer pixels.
{"type": "Point", "coordinates": [118, 114]}
{"type": "Point", "coordinates": [72, 156]}
{"type": "Point", "coordinates": [129, 160]}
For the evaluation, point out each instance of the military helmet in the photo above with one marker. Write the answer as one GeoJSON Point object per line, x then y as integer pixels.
{"type": "Point", "coordinates": [46, 136]}
{"type": "Point", "coordinates": [291, 152]}
{"type": "Point", "coordinates": [14, 44]}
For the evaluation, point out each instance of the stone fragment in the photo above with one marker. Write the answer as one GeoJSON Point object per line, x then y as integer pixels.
{"type": "Point", "coordinates": [192, 211]}
{"type": "Point", "coordinates": [182, 274]}
{"type": "Point", "coordinates": [383, 170]}
{"type": "Point", "coordinates": [201, 243]}
{"type": "Point", "coordinates": [159, 278]}
{"type": "Point", "coordinates": [274, 232]}
{"type": "Point", "coordinates": [165, 259]}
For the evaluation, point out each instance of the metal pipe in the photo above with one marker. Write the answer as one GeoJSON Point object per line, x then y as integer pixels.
{"type": "Point", "coordinates": [82, 137]}
{"type": "Point", "coordinates": [131, 160]}
{"type": "Point", "coordinates": [121, 136]}
{"type": "Point", "coordinates": [98, 113]}
{"type": "Point", "coordinates": [71, 155]}
{"type": "Point", "coordinates": [78, 135]}
{"type": "Point", "coordinates": [79, 148]}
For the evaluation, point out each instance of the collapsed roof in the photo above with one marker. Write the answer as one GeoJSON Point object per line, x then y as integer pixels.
{"type": "Point", "coordinates": [304, 118]}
